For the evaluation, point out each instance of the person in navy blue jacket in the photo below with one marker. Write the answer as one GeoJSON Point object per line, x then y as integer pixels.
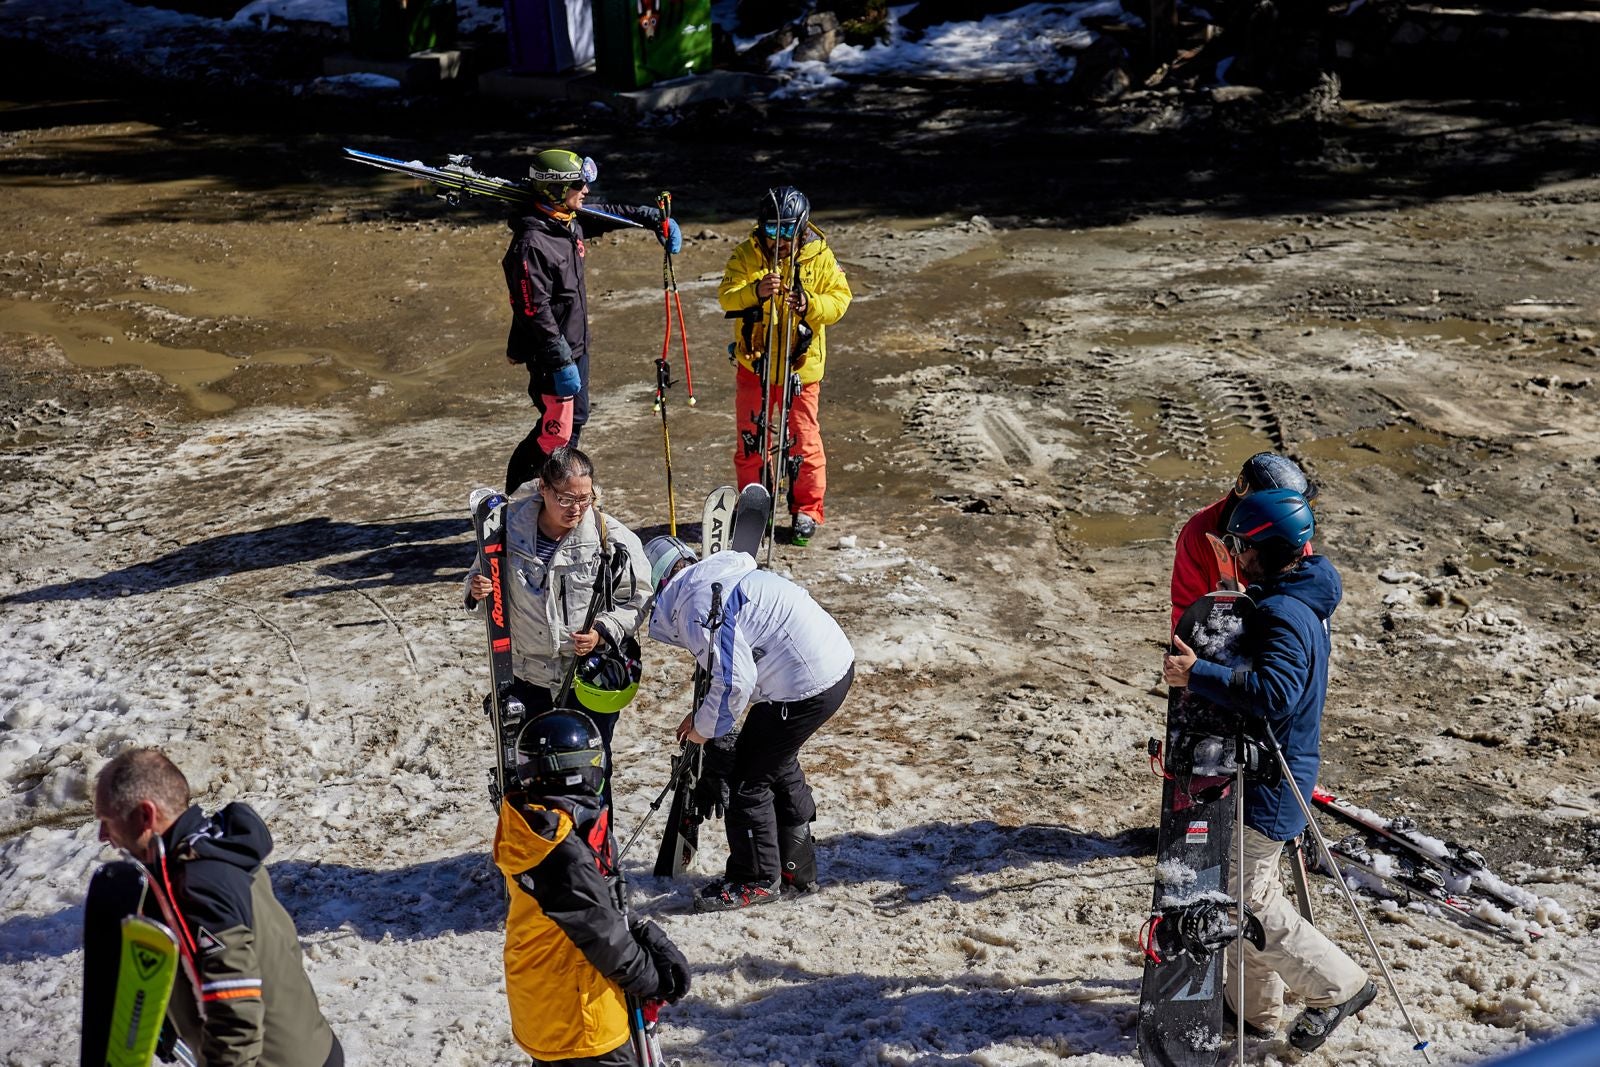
{"type": "Point", "coordinates": [1287, 644]}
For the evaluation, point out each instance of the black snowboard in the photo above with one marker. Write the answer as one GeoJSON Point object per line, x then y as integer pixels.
{"type": "Point", "coordinates": [1180, 1001]}
{"type": "Point", "coordinates": [116, 890]}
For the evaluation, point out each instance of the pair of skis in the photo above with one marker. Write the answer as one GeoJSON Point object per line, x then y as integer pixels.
{"type": "Point", "coordinates": [1392, 858]}
{"type": "Point", "coordinates": [458, 179]}
{"type": "Point", "coordinates": [505, 711]}
{"type": "Point", "coordinates": [735, 520]}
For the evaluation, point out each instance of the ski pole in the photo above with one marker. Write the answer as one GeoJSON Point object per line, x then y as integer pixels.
{"type": "Point", "coordinates": [682, 766]}
{"type": "Point", "coordinates": [671, 297]}
{"type": "Point", "coordinates": [1238, 942]}
{"type": "Point", "coordinates": [663, 383]}
{"type": "Point", "coordinates": [1327, 857]}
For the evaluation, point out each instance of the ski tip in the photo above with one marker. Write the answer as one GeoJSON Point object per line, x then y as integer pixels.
{"type": "Point", "coordinates": [481, 494]}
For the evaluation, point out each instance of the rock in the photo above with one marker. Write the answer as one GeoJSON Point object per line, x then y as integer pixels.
{"type": "Point", "coordinates": [819, 36]}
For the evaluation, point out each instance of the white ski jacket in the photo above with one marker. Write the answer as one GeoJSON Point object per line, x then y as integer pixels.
{"type": "Point", "coordinates": [775, 644]}
{"type": "Point", "coordinates": [548, 604]}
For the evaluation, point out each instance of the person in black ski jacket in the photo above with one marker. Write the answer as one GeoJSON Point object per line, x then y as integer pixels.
{"type": "Point", "coordinates": [253, 1005]}
{"type": "Point", "coordinates": [1287, 644]}
{"type": "Point", "coordinates": [572, 958]}
{"type": "Point", "coordinates": [549, 303]}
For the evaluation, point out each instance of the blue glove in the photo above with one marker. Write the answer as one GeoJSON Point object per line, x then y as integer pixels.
{"type": "Point", "coordinates": [672, 240]}
{"type": "Point", "coordinates": [567, 381]}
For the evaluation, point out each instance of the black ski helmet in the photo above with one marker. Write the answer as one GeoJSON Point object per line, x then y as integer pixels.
{"type": "Point", "coordinates": [561, 753]}
{"type": "Point", "coordinates": [1277, 522]}
{"type": "Point", "coordinates": [1269, 470]}
{"type": "Point", "coordinates": [555, 170]}
{"type": "Point", "coordinates": [785, 209]}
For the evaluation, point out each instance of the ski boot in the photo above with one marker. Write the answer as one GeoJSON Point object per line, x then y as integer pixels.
{"type": "Point", "coordinates": [732, 896]}
{"type": "Point", "coordinates": [798, 852]}
{"type": "Point", "coordinates": [802, 529]}
{"type": "Point", "coordinates": [1315, 1024]}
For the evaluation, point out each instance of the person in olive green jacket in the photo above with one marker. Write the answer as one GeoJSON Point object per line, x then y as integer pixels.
{"type": "Point", "coordinates": [248, 1001]}
{"type": "Point", "coordinates": [797, 309]}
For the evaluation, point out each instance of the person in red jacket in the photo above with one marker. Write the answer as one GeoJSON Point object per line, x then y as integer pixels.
{"type": "Point", "coordinates": [1200, 564]}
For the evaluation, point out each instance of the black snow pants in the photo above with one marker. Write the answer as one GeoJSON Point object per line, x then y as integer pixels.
{"type": "Point", "coordinates": [767, 789]}
{"type": "Point", "coordinates": [621, 1056]}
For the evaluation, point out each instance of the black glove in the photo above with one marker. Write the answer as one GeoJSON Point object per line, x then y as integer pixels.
{"type": "Point", "coordinates": [711, 792]}
{"type": "Point", "coordinates": [670, 964]}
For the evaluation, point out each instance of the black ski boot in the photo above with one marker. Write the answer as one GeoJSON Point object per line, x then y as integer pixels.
{"type": "Point", "coordinates": [732, 896]}
{"type": "Point", "coordinates": [798, 852]}
{"type": "Point", "coordinates": [1315, 1024]}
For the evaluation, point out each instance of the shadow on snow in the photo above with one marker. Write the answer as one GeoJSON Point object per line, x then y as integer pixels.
{"type": "Point", "coordinates": [393, 553]}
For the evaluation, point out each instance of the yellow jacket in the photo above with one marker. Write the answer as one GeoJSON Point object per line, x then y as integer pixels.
{"type": "Point", "coordinates": [826, 288]}
{"type": "Point", "coordinates": [567, 943]}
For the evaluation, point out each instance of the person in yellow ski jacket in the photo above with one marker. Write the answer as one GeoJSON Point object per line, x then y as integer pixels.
{"type": "Point", "coordinates": [572, 958]}
{"type": "Point", "coordinates": [758, 284]}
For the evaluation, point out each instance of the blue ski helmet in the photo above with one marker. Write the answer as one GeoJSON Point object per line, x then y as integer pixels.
{"type": "Point", "coordinates": [561, 753]}
{"type": "Point", "coordinates": [664, 552]}
{"type": "Point", "coordinates": [1269, 470]}
{"type": "Point", "coordinates": [1276, 522]}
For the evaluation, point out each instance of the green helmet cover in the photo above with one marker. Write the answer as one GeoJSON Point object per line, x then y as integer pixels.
{"type": "Point", "coordinates": [555, 170]}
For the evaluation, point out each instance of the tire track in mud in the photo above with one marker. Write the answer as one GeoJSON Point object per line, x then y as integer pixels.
{"type": "Point", "coordinates": [1188, 430]}
{"type": "Point", "coordinates": [1241, 397]}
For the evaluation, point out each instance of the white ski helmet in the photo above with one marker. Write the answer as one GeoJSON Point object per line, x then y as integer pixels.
{"type": "Point", "coordinates": [664, 553]}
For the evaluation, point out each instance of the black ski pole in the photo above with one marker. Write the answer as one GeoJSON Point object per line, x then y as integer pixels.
{"type": "Point", "coordinates": [681, 765]}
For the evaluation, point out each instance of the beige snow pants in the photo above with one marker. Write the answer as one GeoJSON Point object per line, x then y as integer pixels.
{"type": "Point", "coordinates": [1298, 956]}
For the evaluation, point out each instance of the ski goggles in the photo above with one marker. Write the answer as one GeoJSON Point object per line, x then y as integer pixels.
{"type": "Point", "coordinates": [787, 230]}
{"type": "Point", "coordinates": [1235, 544]}
{"type": "Point", "coordinates": [588, 171]}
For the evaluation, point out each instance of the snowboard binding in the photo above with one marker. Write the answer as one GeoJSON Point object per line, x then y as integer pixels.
{"type": "Point", "coordinates": [1198, 929]}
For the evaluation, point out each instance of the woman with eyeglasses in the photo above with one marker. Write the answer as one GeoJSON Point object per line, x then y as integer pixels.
{"type": "Point", "coordinates": [783, 280]}
{"type": "Point", "coordinates": [559, 546]}
{"type": "Point", "coordinates": [549, 302]}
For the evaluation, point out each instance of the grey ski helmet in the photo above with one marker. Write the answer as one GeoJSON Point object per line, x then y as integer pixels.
{"type": "Point", "coordinates": [783, 212]}
{"type": "Point", "coordinates": [664, 553]}
{"type": "Point", "coordinates": [1269, 470]}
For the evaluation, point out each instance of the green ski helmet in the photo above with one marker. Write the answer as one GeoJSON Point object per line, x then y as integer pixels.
{"type": "Point", "coordinates": [606, 682]}
{"type": "Point", "coordinates": [555, 170]}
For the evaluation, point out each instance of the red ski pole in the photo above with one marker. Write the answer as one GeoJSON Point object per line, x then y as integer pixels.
{"type": "Point", "coordinates": [670, 297]}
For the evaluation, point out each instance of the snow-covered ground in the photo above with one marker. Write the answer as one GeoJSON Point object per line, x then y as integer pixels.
{"type": "Point", "coordinates": [1035, 42]}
